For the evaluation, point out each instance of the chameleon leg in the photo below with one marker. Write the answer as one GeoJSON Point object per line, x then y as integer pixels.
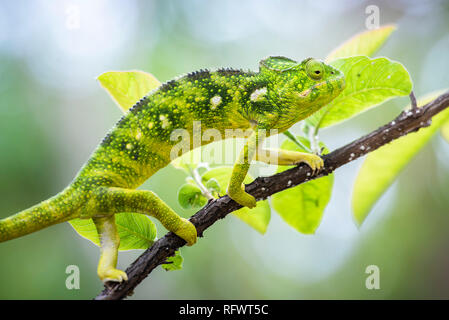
{"type": "Point", "coordinates": [147, 202]}
{"type": "Point", "coordinates": [110, 241]}
{"type": "Point", "coordinates": [236, 188]}
{"type": "Point", "coordinates": [287, 157]}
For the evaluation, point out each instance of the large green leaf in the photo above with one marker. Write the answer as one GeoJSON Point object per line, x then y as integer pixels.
{"type": "Point", "coordinates": [258, 217]}
{"type": "Point", "coordinates": [381, 167]}
{"type": "Point", "coordinates": [369, 82]}
{"type": "Point", "coordinates": [302, 207]}
{"type": "Point", "coordinates": [136, 230]}
{"type": "Point", "coordinates": [128, 87]}
{"type": "Point", "coordinates": [364, 43]}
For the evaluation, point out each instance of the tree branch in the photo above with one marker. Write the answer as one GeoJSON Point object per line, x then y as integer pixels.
{"type": "Point", "coordinates": [408, 121]}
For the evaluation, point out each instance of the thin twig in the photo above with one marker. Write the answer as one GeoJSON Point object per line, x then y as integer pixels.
{"type": "Point", "coordinates": [413, 101]}
{"type": "Point", "coordinates": [263, 187]}
{"type": "Point", "coordinates": [197, 178]}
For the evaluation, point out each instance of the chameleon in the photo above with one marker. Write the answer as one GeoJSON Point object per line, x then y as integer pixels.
{"type": "Point", "coordinates": [282, 93]}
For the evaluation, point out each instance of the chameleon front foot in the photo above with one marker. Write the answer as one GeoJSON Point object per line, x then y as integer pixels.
{"type": "Point", "coordinates": [243, 198]}
{"type": "Point", "coordinates": [187, 231]}
{"type": "Point", "coordinates": [315, 162]}
{"type": "Point", "coordinates": [112, 274]}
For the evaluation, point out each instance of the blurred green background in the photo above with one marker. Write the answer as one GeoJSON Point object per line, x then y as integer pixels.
{"type": "Point", "coordinates": [53, 113]}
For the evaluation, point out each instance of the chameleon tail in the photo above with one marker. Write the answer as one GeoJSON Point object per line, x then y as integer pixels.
{"type": "Point", "coordinates": [49, 212]}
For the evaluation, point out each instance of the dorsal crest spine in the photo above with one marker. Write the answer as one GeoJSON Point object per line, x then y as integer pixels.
{"type": "Point", "coordinates": [197, 75]}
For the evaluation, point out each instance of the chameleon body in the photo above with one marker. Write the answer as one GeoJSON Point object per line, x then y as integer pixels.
{"type": "Point", "coordinates": [282, 93]}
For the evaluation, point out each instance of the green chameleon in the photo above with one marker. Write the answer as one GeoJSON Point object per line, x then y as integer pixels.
{"type": "Point", "coordinates": [282, 93]}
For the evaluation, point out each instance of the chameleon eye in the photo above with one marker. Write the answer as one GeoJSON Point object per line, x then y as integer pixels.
{"type": "Point", "coordinates": [314, 69]}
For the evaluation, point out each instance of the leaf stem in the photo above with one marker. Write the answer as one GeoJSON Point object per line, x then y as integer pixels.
{"type": "Point", "coordinates": [289, 135]}
{"type": "Point", "coordinates": [197, 178]}
{"type": "Point", "coordinates": [313, 137]}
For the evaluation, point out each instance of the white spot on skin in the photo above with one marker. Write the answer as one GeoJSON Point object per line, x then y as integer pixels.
{"type": "Point", "coordinates": [362, 147]}
{"type": "Point", "coordinates": [258, 94]}
{"type": "Point", "coordinates": [352, 155]}
{"type": "Point", "coordinates": [215, 101]}
{"type": "Point", "coordinates": [165, 121]}
{"type": "Point", "coordinates": [289, 183]}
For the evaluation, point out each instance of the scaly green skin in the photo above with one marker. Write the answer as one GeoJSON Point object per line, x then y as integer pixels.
{"type": "Point", "coordinates": [282, 93]}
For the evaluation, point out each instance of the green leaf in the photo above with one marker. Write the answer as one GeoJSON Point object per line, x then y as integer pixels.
{"type": "Point", "coordinates": [190, 196]}
{"type": "Point", "coordinates": [213, 185]}
{"type": "Point", "coordinates": [364, 43]}
{"type": "Point", "coordinates": [128, 87]}
{"type": "Point", "coordinates": [174, 262]}
{"type": "Point", "coordinates": [369, 82]}
{"type": "Point", "coordinates": [382, 166]}
{"type": "Point", "coordinates": [136, 230]}
{"type": "Point", "coordinates": [445, 131]}
{"type": "Point", "coordinates": [289, 135]}
{"type": "Point", "coordinates": [258, 217]}
{"type": "Point", "coordinates": [302, 207]}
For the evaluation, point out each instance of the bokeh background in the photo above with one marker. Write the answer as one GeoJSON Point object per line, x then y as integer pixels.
{"type": "Point", "coordinates": [53, 113]}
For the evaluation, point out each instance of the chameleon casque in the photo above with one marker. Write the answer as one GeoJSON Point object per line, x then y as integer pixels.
{"type": "Point", "coordinates": [282, 93]}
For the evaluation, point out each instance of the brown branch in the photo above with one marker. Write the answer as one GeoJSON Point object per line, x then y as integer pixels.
{"type": "Point", "coordinates": [408, 121]}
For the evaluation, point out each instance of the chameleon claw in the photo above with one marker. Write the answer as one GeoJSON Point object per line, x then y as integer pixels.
{"type": "Point", "coordinates": [315, 162]}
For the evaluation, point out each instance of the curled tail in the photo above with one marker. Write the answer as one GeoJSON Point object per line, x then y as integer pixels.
{"type": "Point", "coordinates": [55, 210]}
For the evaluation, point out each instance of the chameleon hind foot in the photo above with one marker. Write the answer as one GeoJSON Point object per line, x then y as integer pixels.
{"type": "Point", "coordinates": [187, 231]}
{"type": "Point", "coordinates": [114, 275]}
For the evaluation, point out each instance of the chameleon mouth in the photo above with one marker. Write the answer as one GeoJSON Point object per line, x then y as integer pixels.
{"type": "Point", "coordinates": [337, 82]}
{"type": "Point", "coordinates": [307, 92]}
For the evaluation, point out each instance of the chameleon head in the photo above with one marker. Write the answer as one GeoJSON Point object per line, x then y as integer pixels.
{"type": "Point", "coordinates": [300, 89]}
